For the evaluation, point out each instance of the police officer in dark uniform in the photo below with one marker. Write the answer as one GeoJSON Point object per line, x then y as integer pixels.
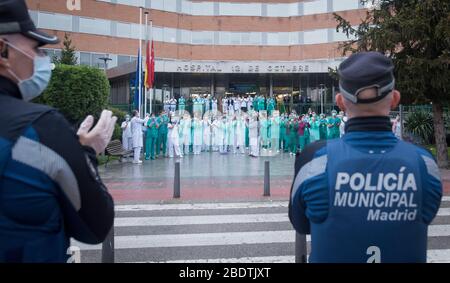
{"type": "Point", "coordinates": [50, 189]}
{"type": "Point", "coordinates": [367, 197]}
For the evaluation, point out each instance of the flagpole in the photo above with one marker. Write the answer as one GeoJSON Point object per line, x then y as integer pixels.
{"type": "Point", "coordinates": [140, 63]}
{"type": "Point", "coordinates": [153, 59]}
{"type": "Point", "coordinates": [146, 71]}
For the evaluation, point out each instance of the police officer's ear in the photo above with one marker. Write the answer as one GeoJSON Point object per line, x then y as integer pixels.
{"type": "Point", "coordinates": [340, 102]}
{"type": "Point", "coordinates": [395, 99]}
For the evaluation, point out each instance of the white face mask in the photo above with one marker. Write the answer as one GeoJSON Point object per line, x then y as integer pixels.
{"type": "Point", "coordinates": [38, 82]}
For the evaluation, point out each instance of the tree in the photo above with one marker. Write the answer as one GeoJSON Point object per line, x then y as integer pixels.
{"type": "Point", "coordinates": [77, 91]}
{"type": "Point", "coordinates": [416, 35]}
{"type": "Point", "coordinates": [67, 53]}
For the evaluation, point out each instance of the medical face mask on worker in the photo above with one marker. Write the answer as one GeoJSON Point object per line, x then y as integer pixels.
{"type": "Point", "coordinates": [42, 71]}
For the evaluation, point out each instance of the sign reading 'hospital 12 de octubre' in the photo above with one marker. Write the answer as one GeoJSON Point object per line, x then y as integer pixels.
{"type": "Point", "coordinates": [243, 68]}
{"type": "Point", "coordinates": [252, 67]}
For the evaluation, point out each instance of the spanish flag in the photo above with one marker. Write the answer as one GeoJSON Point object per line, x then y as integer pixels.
{"type": "Point", "coordinates": [150, 67]}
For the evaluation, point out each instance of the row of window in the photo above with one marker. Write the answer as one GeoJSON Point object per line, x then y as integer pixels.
{"type": "Point", "coordinates": [71, 23]}
{"type": "Point", "coordinates": [93, 59]}
{"type": "Point", "coordinates": [244, 9]}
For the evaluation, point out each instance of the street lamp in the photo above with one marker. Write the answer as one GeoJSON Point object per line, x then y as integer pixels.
{"type": "Point", "coordinates": [108, 243]}
{"type": "Point", "coordinates": [105, 59]}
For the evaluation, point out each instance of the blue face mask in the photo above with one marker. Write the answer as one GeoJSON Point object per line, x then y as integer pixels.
{"type": "Point", "coordinates": [36, 84]}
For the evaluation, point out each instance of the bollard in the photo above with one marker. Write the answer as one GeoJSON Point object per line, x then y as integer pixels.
{"type": "Point", "coordinates": [176, 181]}
{"type": "Point", "coordinates": [266, 178]}
{"type": "Point", "coordinates": [300, 248]}
{"type": "Point", "coordinates": [108, 247]}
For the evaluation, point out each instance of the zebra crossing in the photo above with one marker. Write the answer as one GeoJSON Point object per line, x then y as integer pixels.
{"type": "Point", "coordinates": [245, 232]}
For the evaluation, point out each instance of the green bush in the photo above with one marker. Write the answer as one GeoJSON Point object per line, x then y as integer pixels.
{"type": "Point", "coordinates": [117, 134]}
{"type": "Point", "coordinates": [77, 91]}
{"type": "Point", "coordinates": [118, 113]}
{"type": "Point", "coordinates": [420, 124]}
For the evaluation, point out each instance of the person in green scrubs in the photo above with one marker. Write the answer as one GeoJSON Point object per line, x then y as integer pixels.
{"type": "Point", "coordinates": [163, 121]}
{"type": "Point", "coordinates": [255, 103]}
{"type": "Point", "coordinates": [333, 125]}
{"type": "Point", "coordinates": [151, 137]}
{"type": "Point", "coordinates": [322, 127]}
{"type": "Point", "coordinates": [280, 105]}
{"type": "Point", "coordinates": [293, 128]}
{"type": "Point", "coordinates": [181, 104]}
{"type": "Point", "coordinates": [270, 106]}
{"type": "Point", "coordinates": [261, 103]}
{"type": "Point", "coordinates": [247, 137]}
{"type": "Point", "coordinates": [282, 133]}
{"type": "Point", "coordinates": [314, 130]}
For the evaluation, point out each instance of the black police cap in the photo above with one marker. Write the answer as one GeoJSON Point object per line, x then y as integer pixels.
{"type": "Point", "coordinates": [14, 18]}
{"type": "Point", "coordinates": [365, 70]}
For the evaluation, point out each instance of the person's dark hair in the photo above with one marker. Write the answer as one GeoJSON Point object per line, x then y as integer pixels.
{"type": "Point", "coordinates": [135, 112]}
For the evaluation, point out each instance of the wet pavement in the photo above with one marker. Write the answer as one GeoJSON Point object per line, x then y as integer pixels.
{"type": "Point", "coordinates": [204, 177]}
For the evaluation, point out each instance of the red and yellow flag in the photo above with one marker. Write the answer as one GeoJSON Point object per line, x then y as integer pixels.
{"type": "Point", "coordinates": [150, 66]}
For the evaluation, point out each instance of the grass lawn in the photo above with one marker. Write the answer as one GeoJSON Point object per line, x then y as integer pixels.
{"type": "Point", "coordinates": [432, 148]}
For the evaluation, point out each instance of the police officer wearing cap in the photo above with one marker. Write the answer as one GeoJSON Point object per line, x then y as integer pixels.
{"type": "Point", "coordinates": [49, 185]}
{"type": "Point", "coordinates": [368, 196]}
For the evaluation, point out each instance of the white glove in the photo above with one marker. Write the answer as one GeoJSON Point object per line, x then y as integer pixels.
{"type": "Point", "coordinates": [99, 137]}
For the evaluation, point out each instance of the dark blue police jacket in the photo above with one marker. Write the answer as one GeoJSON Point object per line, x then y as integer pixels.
{"type": "Point", "coordinates": [367, 197]}
{"type": "Point", "coordinates": [49, 184]}
{"type": "Point", "coordinates": [25, 235]}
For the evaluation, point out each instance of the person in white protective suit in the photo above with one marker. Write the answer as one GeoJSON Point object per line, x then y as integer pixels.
{"type": "Point", "coordinates": [173, 137]}
{"type": "Point", "coordinates": [224, 105]}
{"type": "Point", "coordinates": [127, 138]}
{"type": "Point", "coordinates": [136, 132]}
{"type": "Point", "coordinates": [197, 126]}
{"type": "Point", "coordinates": [214, 105]}
{"type": "Point", "coordinates": [215, 126]}
{"type": "Point", "coordinates": [237, 105]}
{"type": "Point", "coordinates": [253, 135]}
{"type": "Point", "coordinates": [231, 134]}
{"type": "Point", "coordinates": [219, 134]}
{"type": "Point", "coordinates": [275, 131]}
{"type": "Point", "coordinates": [206, 134]}
{"type": "Point", "coordinates": [240, 133]}
{"type": "Point", "coordinates": [186, 127]}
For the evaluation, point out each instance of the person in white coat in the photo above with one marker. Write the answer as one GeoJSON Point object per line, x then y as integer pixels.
{"type": "Point", "coordinates": [253, 135]}
{"type": "Point", "coordinates": [240, 134]}
{"type": "Point", "coordinates": [214, 105]}
{"type": "Point", "coordinates": [237, 105]}
{"type": "Point", "coordinates": [215, 133]}
{"type": "Point", "coordinates": [138, 139]}
{"type": "Point", "coordinates": [224, 105]}
{"type": "Point", "coordinates": [173, 105]}
{"type": "Point", "coordinates": [232, 134]}
{"type": "Point", "coordinates": [206, 134]}
{"type": "Point", "coordinates": [198, 134]}
{"type": "Point", "coordinates": [186, 128]}
{"type": "Point", "coordinates": [230, 106]}
{"type": "Point", "coordinates": [249, 104]}
{"type": "Point", "coordinates": [219, 134]}
{"type": "Point", "coordinates": [275, 122]}
{"type": "Point", "coordinates": [127, 138]}
{"type": "Point", "coordinates": [173, 136]}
